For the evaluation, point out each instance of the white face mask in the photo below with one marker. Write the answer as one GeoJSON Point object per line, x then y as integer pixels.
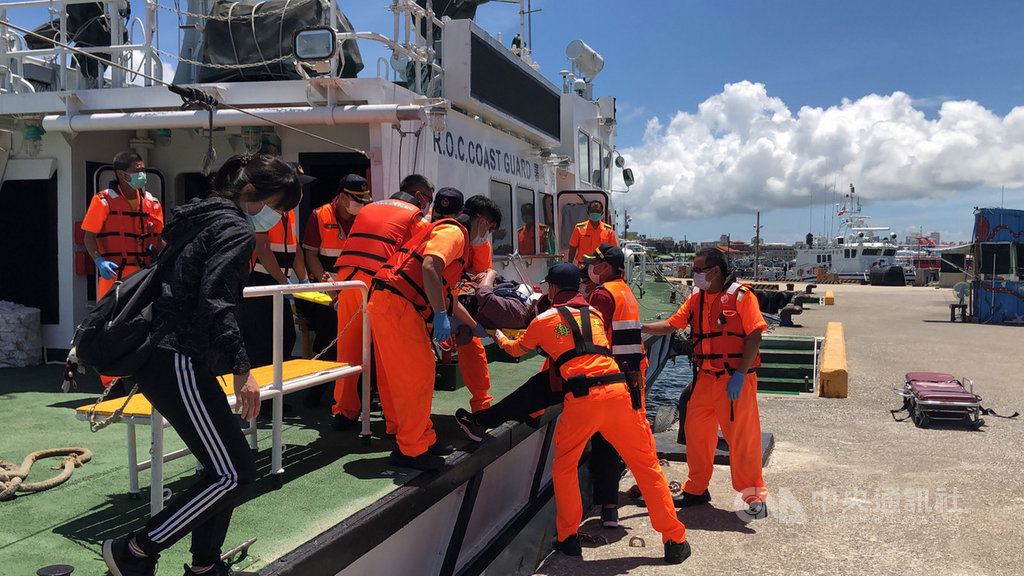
{"type": "Point", "coordinates": [594, 277]}
{"type": "Point", "coordinates": [353, 206]}
{"type": "Point", "coordinates": [700, 280]}
{"type": "Point", "coordinates": [265, 219]}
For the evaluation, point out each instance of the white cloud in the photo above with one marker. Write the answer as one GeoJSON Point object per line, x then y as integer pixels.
{"type": "Point", "coordinates": [744, 151]}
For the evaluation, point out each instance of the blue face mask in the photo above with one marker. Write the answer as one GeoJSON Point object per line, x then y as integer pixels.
{"type": "Point", "coordinates": [137, 180]}
{"type": "Point", "coordinates": [266, 219]}
{"type": "Point", "coordinates": [595, 216]}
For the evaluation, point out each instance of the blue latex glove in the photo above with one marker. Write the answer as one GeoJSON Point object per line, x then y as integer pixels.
{"type": "Point", "coordinates": [107, 269]}
{"type": "Point", "coordinates": [480, 331]}
{"type": "Point", "coordinates": [304, 281]}
{"type": "Point", "coordinates": [289, 297]}
{"type": "Point", "coordinates": [442, 327]}
{"type": "Point", "coordinates": [735, 385]}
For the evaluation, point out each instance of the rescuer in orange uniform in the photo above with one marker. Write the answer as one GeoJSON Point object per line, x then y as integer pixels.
{"type": "Point", "coordinates": [381, 228]}
{"type": "Point", "coordinates": [589, 234]}
{"type": "Point", "coordinates": [727, 326]}
{"type": "Point", "coordinates": [122, 226]}
{"type": "Point", "coordinates": [472, 355]}
{"type": "Point", "coordinates": [413, 287]}
{"type": "Point", "coordinates": [525, 234]}
{"type": "Point", "coordinates": [596, 399]}
{"type": "Point", "coordinates": [325, 235]}
{"type": "Point", "coordinates": [620, 311]}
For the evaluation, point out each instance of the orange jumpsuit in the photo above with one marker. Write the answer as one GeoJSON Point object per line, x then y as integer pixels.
{"type": "Point", "coordinates": [587, 237]}
{"type": "Point", "coordinates": [605, 408]}
{"type": "Point", "coordinates": [124, 233]}
{"type": "Point", "coordinates": [398, 317]}
{"type": "Point", "coordinates": [472, 356]}
{"type": "Point", "coordinates": [731, 314]}
{"type": "Point", "coordinates": [377, 232]}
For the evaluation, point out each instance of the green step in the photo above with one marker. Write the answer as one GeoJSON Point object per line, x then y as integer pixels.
{"type": "Point", "coordinates": [777, 384]}
{"type": "Point", "coordinates": [783, 356]}
{"type": "Point", "coordinates": [787, 342]}
{"type": "Point", "coordinates": [791, 371]}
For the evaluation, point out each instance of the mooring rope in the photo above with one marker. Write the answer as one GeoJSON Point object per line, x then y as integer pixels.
{"type": "Point", "coordinates": [12, 477]}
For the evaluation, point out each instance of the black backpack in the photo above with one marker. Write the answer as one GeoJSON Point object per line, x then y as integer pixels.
{"type": "Point", "coordinates": [116, 337]}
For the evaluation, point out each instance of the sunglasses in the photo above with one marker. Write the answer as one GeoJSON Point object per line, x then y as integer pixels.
{"type": "Point", "coordinates": [704, 269]}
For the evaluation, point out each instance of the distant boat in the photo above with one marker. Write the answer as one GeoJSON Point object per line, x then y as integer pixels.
{"type": "Point", "coordinates": [858, 252]}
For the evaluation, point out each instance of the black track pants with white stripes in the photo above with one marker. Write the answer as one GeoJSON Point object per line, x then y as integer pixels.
{"type": "Point", "coordinates": [190, 398]}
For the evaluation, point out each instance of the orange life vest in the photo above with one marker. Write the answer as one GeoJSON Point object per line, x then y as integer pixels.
{"type": "Point", "coordinates": [718, 348]}
{"type": "Point", "coordinates": [403, 273]}
{"type": "Point", "coordinates": [480, 260]}
{"type": "Point", "coordinates": [283, 243]}
{"type": "Point", "coordinates": [379, 230]}
{"type": "Point", "coordinates": [526, 243]}
{"type": "Point", "coordinates": [129, 235]}
{"type": "Point", "coordinates": [332, 236]}
{"type": "Point", "coordinates": [627, 343]}
{"type": "Point", "coordinates": [574, 339]}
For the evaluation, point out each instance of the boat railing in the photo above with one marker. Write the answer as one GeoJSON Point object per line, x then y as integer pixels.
{"type": "Point", "coordinates": [26, 70]}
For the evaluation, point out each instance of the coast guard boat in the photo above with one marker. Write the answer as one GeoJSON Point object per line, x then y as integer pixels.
{"type": "Point", "coordinates": [451, 102]}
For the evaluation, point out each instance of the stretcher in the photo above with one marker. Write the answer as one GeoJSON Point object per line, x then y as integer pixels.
{"type": "Point", "coordinates": [938, 397]}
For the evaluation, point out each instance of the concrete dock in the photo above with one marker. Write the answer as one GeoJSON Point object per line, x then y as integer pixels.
{"type": "Point", "coordinates": [851, 490]}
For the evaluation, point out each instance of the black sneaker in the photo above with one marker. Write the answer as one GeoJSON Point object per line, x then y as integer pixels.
{"type": "Point", "coordinates": [121, 562]}
{"type": "Point", "coordinates": [570, 546]}
{"type": "Point", "coordinates": [675, 552]}
{"type": "Point", "coordinates": [688, 499]}
{"type": "Point", "coordinates": [469, 426]}
{"type": "Point", "coordinates": [757, 510]}
{"type": "Point", "coordinates": [610, 517]}
{"type": "Point", "coordinates": [425, 461]}
{"type": "Point", "coordinates": [342, 422]}
{"type": "Point", "coordinates": [439, 449]}
{"type": "Point", "coordinates": [219, 569]}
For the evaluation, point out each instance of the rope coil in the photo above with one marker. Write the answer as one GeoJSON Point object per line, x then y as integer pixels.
{"type": "Point", "coordinates": [12, 477]}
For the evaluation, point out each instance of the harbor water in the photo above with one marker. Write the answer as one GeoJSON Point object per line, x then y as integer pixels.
{"type": "Point", "coordinates": [665, 390]}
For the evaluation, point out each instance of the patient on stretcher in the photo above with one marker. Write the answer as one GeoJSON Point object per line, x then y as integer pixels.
{"type": "Point", "coordinates": [494, 302]}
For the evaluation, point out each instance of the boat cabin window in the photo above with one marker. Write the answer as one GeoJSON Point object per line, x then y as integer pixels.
{"type": "Point", "coordinates": [872, 252]}
{"type": "Point", "coordinates": [534, 233]}
{"type": "Point", "coordinates": [596, 166]}
{"type": "Point", "coordinates": [547, 202]}
{"type": "Point", "coordinates": [606, 168]}
{"type": "Point", "coordinates": [1020, 260]}
{"type": "Point", "coordinates": [889, 252]}
{"type": "Point", "coordinates": [850, 253]}
{"type": "Point", "coordinates": [583, 156]}
{"type": "Point", "coordinates": [501, 239]}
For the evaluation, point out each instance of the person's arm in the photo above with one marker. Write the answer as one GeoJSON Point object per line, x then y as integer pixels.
{"type": "Point", "coordinates": [751, 347]}
{"type": "Point", "coordinates": [678, 321]}
{"type": "Point", "coordinates": [266, 257]}
{"type": "Point", "coordinates": [520, 346]}
{"type": "Point", "coordinates": [574, 243]}
{"type": "Point", "coordinates": [311, 246]}
{"type": "Point", "coordinates": [432, 283]}
{"type": "Point", "coordinates": [658, 328]}
{"type": "Point", "coordinates": [299, 264]}
{"type": "Point", "coordinates": [571, 257]}
{"type": "Point", "coordinates": [90, 245]}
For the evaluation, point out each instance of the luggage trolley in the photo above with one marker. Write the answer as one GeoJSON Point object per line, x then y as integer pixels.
{"type": "Point", "coordinates": [939, 397]}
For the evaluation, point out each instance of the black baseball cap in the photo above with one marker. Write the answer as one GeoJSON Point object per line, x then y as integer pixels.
{"type": "Point", "coordinates": [564, 275]}
{"type": "Point", "coordinates": [609, 253]}
{"type": "Point", "coordinates": [355, 186]}
{"type": "Point", "coordinates": [303, 177]}
{"type": "Point", "coordinates": [448, 201]}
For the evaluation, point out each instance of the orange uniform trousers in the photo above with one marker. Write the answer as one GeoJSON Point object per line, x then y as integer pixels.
{"type": "Point", "coordinates": [350, 348]}
{"type": "Point", "coordinates": [102, 287]}
{"type": "Point", "coordinates": [473, 365]}
{"type": "Point", "coordinates": [405, 359]}
{"type": "Point", "coordinates": [607, 409]}
{"type": "Point", "coordinates": [709, 409]}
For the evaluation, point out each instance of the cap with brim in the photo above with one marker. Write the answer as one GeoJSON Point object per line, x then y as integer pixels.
{"type": "Point", "coordinates": [356, 187]}
{"type": "Point", "coordinates": [609, 253]}
{"type": "Point", "coordinates": [448, 200]}
{"type": "Point", "coordinates": [303, 177]}
{"type": "Point", "coordinates": [563, 275]}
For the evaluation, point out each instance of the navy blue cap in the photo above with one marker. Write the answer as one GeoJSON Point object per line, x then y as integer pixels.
{"type": "Point", "coordinates": [564, 275]}
{"type": "Point", "coordinates": [609, 253]}
{"type": "Point", "coordinates": [448, 201]}
{"type": "Point", "coordinates": [355, 186]}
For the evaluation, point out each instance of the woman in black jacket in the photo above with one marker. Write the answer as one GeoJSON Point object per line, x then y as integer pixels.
{"type": "Point", "coordinates": [196, 315]}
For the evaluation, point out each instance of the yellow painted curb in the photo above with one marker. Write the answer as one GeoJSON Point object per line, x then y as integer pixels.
{"type": "Point", "coordinates": [830, 298]}
{"type": "Point", "coordinates": [834, 374]}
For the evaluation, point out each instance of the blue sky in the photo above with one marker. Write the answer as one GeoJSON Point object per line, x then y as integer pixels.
{"type": "Point", "coordinates": [729, 107]}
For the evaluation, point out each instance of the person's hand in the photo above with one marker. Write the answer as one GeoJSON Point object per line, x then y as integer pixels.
{"type": "Point", "coordinates": [499, 335]}
{"type": "Point", "coordinates": [735, 385]}
{"type": "Point", "coordinates": [106, 268]}
{"type": "Point", "coordinates": [288, 296]}
{"type": "Point", "coordinates": [327, 277]}
{"type": "Point", "coordinates": [247, 396]}
{"type": "Point", "coordinates": [442, 327]}
{"type": "Point", "coordinates": [480, 331]}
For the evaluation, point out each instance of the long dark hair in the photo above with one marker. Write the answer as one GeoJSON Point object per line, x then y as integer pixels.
{"type": "Point", "coordinates": [269, 176]}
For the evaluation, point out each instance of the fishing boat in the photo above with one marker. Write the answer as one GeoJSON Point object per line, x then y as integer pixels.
{"type": "Point", "coordinates": [452, 103]}
{"type": "Point", "coordinates": [858, 252]}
